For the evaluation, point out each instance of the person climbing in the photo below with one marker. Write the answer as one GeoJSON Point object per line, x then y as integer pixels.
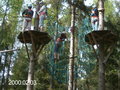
{"type": "Point", "coordinates": [27, 14]}
{"type": "Point", "coordinates": [58, 44]}
{"type": "Point", "coordinates": [94, 18]}
{"type": "Point", "coordinates": [42, 15]}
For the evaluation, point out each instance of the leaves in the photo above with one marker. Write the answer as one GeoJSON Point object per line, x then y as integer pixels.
{"type": "Point", "coordinates": [59, 16]}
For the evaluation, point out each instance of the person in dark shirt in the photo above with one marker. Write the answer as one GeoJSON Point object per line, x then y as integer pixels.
{"type": "Point", "coordinates": [94, 18]}
{"type": "Point", "coordinates": [27, 14]}
{"type": "Point", "coordinates": [58, 44]}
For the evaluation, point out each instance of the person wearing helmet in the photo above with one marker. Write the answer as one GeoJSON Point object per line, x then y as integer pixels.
{"type": "Point", "coordinates": [42, 15]}
{"type": "Point", "coordinates": [94, 18]}
{"type": "Point", "coordinates": [27, 14]}
{"type": "Point", "coordinates": [58, 44]}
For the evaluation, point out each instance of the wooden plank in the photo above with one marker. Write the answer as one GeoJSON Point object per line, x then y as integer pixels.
{"type": "Point", "coordinates": [4, 51]}
{"type": "Point", "coordinates": [38, 37]}
{"type": "Point", "coordinates": [103, 36]}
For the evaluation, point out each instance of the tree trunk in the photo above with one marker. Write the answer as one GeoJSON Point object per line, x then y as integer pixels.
{"type": "Point", "coordinates": [71, 57]}
{"type": "Point", "coordinates": [119, 75]}
{"type": "Point", "coordinates": [87, 84]}
{"type": "Point", "coordinates": [101, 69]}
{"type": "Point", "coordinates": [3, 77]}
{"type": "Point", "coordinates": [101, 14]}
{"type": "Point", "coordinates": [9, 50]}
{"type": "Point", "coordinates": [51, 82]}
{"type": "Point", "coordinates": [0, 60]}
{"type": "Point", "coordinates": [33, 57]}
{"type": "Point", "coordinates": [31, 73]}
{"type": "Point", "coordinates": [8, 71]}
{"type": "Point", "coordinates": [101, 47]}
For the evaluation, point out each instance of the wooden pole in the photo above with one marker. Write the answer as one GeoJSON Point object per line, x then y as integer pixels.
{"type": "Point", "coordinates": [71, 57]}
{"type": "Point", "coordinates": [30, 85]}
{"type": "Point", "coordinates": [9, 50]}
{"type": "Point", "coordinates": [101, 47]}
{"type": "Point", "coordinates": [33, 57]}
{"type": "Point", "coordinates": [101, 68]}
{"type": "Point", "coordinates": [101, 14]}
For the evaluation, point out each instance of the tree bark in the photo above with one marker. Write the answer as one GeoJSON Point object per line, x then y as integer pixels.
{"type": "Point", "coordinates": [101, 69]}
{"type": "Point", "coordinates": [101, 14]}
{"type": "Point", "coordinates": [3, 77]}
{"type": "Point", "coordinates": [8, 71]}
{"type": "Point", "coordinates": [9, 50]}
{"type": "Point", "coordinates": [71, 57]}
{"type": "Point", "coordinates": [119, 75]}
{"type": "Point", "coordinates": [31, 73]}
{"type": "Point", "coordinates": [101, 47]}
{"type": "Point", "coordinates": [33, 57]}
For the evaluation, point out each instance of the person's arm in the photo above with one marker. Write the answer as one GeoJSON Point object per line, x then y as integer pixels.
{"type": "Point", "coordinates": [24, 12]}
{"type": "Point", "coordinates": [92, 12]}
{"type": "Point", "coordinates": [32, 14]}
{"type": "Point", "coordinates": [42, 8]}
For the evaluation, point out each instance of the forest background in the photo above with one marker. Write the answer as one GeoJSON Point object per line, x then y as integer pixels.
{"type": "Point", "coordinates": [14, 65]}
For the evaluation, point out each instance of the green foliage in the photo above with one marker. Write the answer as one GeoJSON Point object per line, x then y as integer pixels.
{"type": "Point", "coordinates": [20, 70]}
{"type": "Point", "coordinates": [86, 70]}
{"type": "Point", "coordinates": [8, 26]}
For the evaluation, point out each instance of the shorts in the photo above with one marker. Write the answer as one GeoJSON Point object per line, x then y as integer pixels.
{"type": "Point", "coordinates": [41, 20]}
{"type": "Point", "coordinates": [57, 48]}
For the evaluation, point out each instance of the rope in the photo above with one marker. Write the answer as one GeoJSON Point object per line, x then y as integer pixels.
{"type": "Point", "coordinates": [58, 70]}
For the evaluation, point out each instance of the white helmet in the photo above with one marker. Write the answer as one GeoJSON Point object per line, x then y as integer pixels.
{"type": "Point", "coordinates": [29, 6]}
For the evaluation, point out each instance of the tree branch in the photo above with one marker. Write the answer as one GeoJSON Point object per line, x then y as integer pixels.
{"type": "Point", "coordinates": [9, 50]}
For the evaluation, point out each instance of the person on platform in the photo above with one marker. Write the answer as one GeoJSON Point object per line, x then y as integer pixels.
{"type": "Point", "coordinates": [94, 18]}
{"type": "Point", "coordinates": [42, 15]}
{"type": "Point", "coordinates": [27, 14]}
{"type": "Point", "coordinates": [58, 44]}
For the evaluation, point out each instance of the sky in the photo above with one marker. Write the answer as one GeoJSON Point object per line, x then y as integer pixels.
{"type": "Point", "coordinates": [87, 2]}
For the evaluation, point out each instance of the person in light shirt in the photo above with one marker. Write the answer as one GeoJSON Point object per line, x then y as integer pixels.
{"type": "Point", "coordinates": [94, 18]}
{"type": "Point", "coordinates": [42, 15]}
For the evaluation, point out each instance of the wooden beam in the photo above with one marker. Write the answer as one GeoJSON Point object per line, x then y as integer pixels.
{"type": "Point", "coordinates": [9, 50]}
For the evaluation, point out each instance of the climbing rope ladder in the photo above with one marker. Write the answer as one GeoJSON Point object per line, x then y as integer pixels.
{"type": "Point", "coordinates": [60, 69]}
{"type": "Point", "coordinates": [57, 70]}
{"type": "Point", "coordinates": [84, 50]}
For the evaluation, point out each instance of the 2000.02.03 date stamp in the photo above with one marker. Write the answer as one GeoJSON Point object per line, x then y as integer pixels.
{"type": "Point", "coordinates": [22, 82]}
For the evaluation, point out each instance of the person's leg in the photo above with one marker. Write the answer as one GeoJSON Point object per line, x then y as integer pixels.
{"type": "Point", "coordinates": [56, 53]}
{"type": "Point", "coordinates": [41, 28]}
{"type": "Point", "coordinates": [58, 56]}
{"type": "Point", "coordinates": [24, 24]}
{"type": "Point", "coordinates": [93, 23]}
{"type": "Point", "coordinates": [41, 22]}
{"type": "Point", "coordinates": [96, 23]}
{"type": "Point", "coordinates": [29, 25]}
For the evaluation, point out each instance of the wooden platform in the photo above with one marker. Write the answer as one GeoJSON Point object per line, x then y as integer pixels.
{"type": "Point", "coordinates": [100, 37]}
{"type": "Point", "coordinates": [38, 37]}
